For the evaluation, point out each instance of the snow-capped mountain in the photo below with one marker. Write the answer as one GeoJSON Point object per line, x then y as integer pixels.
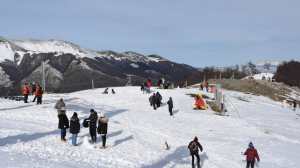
{"type": "Point", "coordinates": [69, 67]}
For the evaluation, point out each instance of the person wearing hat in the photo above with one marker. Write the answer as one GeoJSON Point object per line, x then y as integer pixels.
{"type": "Point", "coordinates": [251, 154]}
{"type": "Point", "coordinates": [93, 125]}
{"type": "Point", "coordinates": [194, 147]}
{"type": "Point", "coordinates": [102, 128]}
{"type": "Point", "coordinates": [63, 123]}
{"type": "Point", "coordinates": [74, 128]}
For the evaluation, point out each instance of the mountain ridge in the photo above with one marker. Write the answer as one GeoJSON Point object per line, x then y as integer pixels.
{"type": "Point", "coordinates": [70, 68]}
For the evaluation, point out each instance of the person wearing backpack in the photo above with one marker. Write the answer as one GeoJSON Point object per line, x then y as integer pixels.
{"type": "Point", "coordinates": [102, 128]}
{"type": "Point", "coordinates": [194, 147]}
{"type": "Point", "coordinates": [63, 124]}
{"type": "Point", "coordinates": [93, 125]}
{"type": "Point", "coordinates": [251, 154]}
{"type": "Point", "coordinates": [74, 128]}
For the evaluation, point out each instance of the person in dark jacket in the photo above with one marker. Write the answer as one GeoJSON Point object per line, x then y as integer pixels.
{"type": "Point", "coordinates": [102, 128]}
{"type": "Point", "coordinates": [170, 105]}
{"type": "Point", "coordinates": [105, 91]}
{"type": "Point", "coordinates": [113, 91]}
{"type": "Point", "coordinates": [93, 125]}
{"type": "Point", "coordinates": [158, 99]}
{"type": "Point", "coordinates": [63, 124]}
{"type": "Point", "coordinates": [194, 147]}
{"type": "Point", "coordinates": [251, 155]}
{"type": "Point", "coordinates": [152, 101]}
{"type": "Point", "coordinates": [294, 105]}
{"type": "Point", "coordinates": [74, 128]}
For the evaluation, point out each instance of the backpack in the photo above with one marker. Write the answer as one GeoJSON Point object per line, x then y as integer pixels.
{"type": "Point", "coordinates": [193, 147]}
{"type": "Point", "coordinates": [85, 123]}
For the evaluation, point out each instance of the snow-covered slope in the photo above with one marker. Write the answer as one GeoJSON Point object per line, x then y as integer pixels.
{"type": "Point", "coordinates": [29, 135]}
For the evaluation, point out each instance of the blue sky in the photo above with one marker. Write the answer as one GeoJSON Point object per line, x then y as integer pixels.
{"type": "Point", "coordinates": [196, 32]}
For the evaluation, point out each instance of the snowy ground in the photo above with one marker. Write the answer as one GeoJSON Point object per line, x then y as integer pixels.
{"type": "Point", "coordinates": [29, 136]}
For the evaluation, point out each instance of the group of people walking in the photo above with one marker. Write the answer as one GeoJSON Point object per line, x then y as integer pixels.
{"type": "Point", "coordinates": [155, 100]}
{"type": "Point", "coordinates": [194, 146]}
{"type": "Point", "coordinates": [35, 89]}
{"type": "Point", "coordinates": [93, 122]}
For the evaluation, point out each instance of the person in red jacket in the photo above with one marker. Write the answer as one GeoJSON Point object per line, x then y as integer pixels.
{"type": "Point", "coordinates": [25, 92]}
{"type": "Point", "coordinates": [39, 94]}
{"type": "Point", "coordinates": [251, 155]}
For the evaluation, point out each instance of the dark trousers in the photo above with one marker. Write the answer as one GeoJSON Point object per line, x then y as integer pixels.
{"type": "Point", "coordinates": [171, 111]}
{"type": "Point", "coordinates": [103, 140]}
{"type": "Point", "coordinates": [34, 99]}
{"type": "Point", "coordinates": [26, 98]}
{"type": "Point", "coordinates": [158, 104]}
{"type": "Point", "coordinates": [250, 163]}
{"type": "Point", "coordinates": [198, 160]}
{"type": "Point", "coordinates": [63, 133]}
{"type": "Point", "coordinates": [39, 100]}
{"type": "Point", "coordinates": [93, 134]}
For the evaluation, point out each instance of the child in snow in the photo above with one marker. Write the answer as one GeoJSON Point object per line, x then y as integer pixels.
{"type": "Point", "coordinates": [102, 128]}
{"type": "Point", "coordinates": [170, 104]}
{"type": "Point", "coordinates": [93, 125]}
{"type": "Point", "coordinates": [74, 128]}
{"type": "Point", "coordinates": [251, 155]}
{"type": "Point", "coordinates": [194, 147]}
{"type": "Point", "coordinates": [63, 124]}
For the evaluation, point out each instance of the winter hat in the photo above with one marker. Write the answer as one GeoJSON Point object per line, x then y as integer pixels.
{"type": "Point", "coordinates": [75, 114]}
{"type": "Point", "coordinates": [251, 145]}
{"type": "Point", "coordinates": [196, 138]}
{"type": "Point", "coordinates": [92, 110]}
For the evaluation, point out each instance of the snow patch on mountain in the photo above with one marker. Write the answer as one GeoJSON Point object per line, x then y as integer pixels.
{"type": "Point", "coordinates": [57, 46]}
{"type": "Point", "coordinates": [134, 65]}
{"type": "Point", "coordinates": [6, 52]}
{"type": "Point", "coordinates": [4, 79]}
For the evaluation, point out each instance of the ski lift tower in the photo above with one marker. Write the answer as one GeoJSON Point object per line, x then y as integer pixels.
{"type": "Point", "coordinates": [129, 80]}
